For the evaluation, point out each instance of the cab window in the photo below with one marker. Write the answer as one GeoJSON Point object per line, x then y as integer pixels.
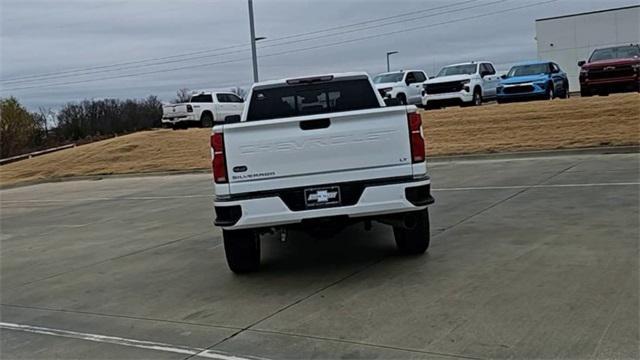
{"type": "Point", "coordinates": [202, 98]}
{"type": "Point", "coordinates": [234, 98]}
{"type": "Point", "coordinates": [420, 77]}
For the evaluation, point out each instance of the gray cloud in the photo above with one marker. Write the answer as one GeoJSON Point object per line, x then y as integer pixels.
{"type": "Point", "coordinates": [41, 36]}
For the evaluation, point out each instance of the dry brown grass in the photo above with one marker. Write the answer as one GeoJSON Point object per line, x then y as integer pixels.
{"type": "Point", "coordinates": [537, 125]}
{"type": "Point", "coordinates": [573, 123]}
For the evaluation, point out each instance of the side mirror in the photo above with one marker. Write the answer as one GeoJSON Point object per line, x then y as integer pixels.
{"type": "Point", "coordinates": [503, 76]}
{"type": "Point", "coordinates": [392, 101]}
{"type": "Point", "coordinates": [581, 62]}
{"type": "Point", "coordinates": [231, 119]}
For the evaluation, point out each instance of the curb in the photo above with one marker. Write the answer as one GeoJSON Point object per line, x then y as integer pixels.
{"type": "Point", "coordinates": [430, 160]}
{"type": "Point", "coordinates": [537, 153]}
{"type": "Point", "coordinates": [104, 176]}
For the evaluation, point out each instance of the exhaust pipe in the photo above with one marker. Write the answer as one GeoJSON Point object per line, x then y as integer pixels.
{"type": "Point", "coordinates": [406, 221]}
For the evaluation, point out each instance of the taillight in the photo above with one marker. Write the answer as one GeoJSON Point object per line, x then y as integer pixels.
{"type": "Point", "coordinates": [218, 163]}
{"type": "Point", "coordinates": [415, 136]}
{"type": "Point", "coordinates": [189, 108]}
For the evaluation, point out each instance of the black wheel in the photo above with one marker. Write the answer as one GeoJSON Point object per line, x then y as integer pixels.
{"type": "Point", "coordinates": [585, 92]}
{"type": "Point", "coordinates": [415, 240]}
{"type": "Point", "coordinates": [565, 90]}
{"type": "Point", "coordinates": [206, 120]}
{"type": "Point", "coordinates": [402, 99]}
{"type": "Point", "coordinates": [477, 97]}
{"type": "Point", "coordinates": [242, 249]}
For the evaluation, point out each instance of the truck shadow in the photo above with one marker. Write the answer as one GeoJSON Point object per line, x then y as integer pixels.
{"type": "Point", "coordinates": [352, 246]}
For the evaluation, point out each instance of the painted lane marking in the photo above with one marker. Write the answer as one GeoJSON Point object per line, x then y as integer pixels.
{"type": "Point", "coordinates": [541, 186]}
{"type": "Point", "coordinates": [211, 195]}
{"type": "Point", "coordinates": [141, 344]}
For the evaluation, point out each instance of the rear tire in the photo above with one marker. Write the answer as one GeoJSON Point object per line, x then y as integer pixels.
{"type": "Point", "coordinates": [585, 92]}
{"type": "Point", "coordinates": [242, 249]}
{"type": "Point", "coordinates": [416, 240]}
{"type": "Point", "coordinates": [206, 120]}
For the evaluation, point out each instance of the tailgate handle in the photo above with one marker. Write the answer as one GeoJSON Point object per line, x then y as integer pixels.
{"type": "Point", "coordinates": [315, 124]}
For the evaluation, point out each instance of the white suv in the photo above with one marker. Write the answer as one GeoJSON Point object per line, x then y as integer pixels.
{"type": "Point", "coordinates": [404, 85]}
{"type": "Point", "coordinates": [461, 84]}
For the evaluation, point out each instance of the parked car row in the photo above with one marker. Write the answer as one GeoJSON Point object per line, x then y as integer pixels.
{"type": "Point", "coordinates": [472, 83]}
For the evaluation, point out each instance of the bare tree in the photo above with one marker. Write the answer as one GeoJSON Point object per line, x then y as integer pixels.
{"type": "Point", "coordinates": [183, 95]}
{"type": "Point", "coordinates": [239, 91]}
{"type": "Point", "coordinates": [46, 119]}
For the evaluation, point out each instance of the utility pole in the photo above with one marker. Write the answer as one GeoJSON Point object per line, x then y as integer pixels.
{"type": "Point", "coordinates": [253, 42]}
{"type": "Point", "coordinates": [388, 53]}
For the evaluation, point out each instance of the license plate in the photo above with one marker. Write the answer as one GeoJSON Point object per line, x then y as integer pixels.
{"type": "Point", "coordinates": [322, 197]}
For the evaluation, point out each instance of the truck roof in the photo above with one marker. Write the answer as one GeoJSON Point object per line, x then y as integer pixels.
{"type": "Point", "coordinates": [271, 83]}
{"type": "Point", "coordinates": [399, 71]}
{"type": "Point", "coordinates": [531, 62]}
{"type": "Point", "coordinates": [212, 92]}
{"type": "Point", "coordinates": [470, 62]}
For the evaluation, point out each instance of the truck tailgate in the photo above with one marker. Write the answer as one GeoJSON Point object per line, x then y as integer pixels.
{"type": "Point", "coordinates": [174, 110]}
{"type": "Point", "coordinates": [310, 150]}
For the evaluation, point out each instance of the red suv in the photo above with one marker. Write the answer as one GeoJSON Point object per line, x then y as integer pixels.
{"type": "Point", "coordinates": [611, 69]}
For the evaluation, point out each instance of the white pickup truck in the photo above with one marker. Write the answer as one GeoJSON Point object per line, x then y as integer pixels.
{"type": "Point", "coordinates": [404, 85]}
{"type": "Point", "coordinates": [317, 154]}
{"type": "Point", "coordinates": [203, 109]}
{"type": "Point", "coordinates": [461, 84]}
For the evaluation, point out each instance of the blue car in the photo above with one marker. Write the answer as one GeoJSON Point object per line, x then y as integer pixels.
{"type": "Point", "coordinates": [533, 80]}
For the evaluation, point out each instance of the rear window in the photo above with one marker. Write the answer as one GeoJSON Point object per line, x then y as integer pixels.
{"type": "Point", "coordinates": [305, 99]}
{"type": "Point", "coordinates": [202, 98]}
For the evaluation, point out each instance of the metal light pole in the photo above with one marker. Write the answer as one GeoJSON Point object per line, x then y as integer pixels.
{"type": "Point", "coordinates": [388, 53]}
{"type": "Point", "coordinates": [252, 29]}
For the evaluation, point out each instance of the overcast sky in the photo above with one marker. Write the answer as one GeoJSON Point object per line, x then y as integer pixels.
{"type": "Point", "coordinates": [109, 40]}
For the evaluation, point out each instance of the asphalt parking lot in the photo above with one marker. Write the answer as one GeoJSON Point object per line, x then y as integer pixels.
{"type": "Point", "coordinates": [530, 258]}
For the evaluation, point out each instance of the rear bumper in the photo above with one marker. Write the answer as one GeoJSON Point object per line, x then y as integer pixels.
{"type": "Point", "coordinates": [270, 209]}
{"type": "Point", "coordinates": [174, 120]}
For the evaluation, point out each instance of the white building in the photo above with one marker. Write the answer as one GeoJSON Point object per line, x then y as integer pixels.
{"type": "Point", "coordinates": [570, 38]}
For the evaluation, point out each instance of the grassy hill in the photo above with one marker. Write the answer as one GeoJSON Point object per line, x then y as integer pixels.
{"type": "Point", "coordinates": [539, 125]}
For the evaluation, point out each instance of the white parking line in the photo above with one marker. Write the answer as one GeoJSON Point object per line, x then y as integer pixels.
{"type": "Point", "coordinates": [141, 344]}
{"type": "Point", "coordinates": [537, 186]}
{"type": "Point", "coordinates": [134, 198]}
